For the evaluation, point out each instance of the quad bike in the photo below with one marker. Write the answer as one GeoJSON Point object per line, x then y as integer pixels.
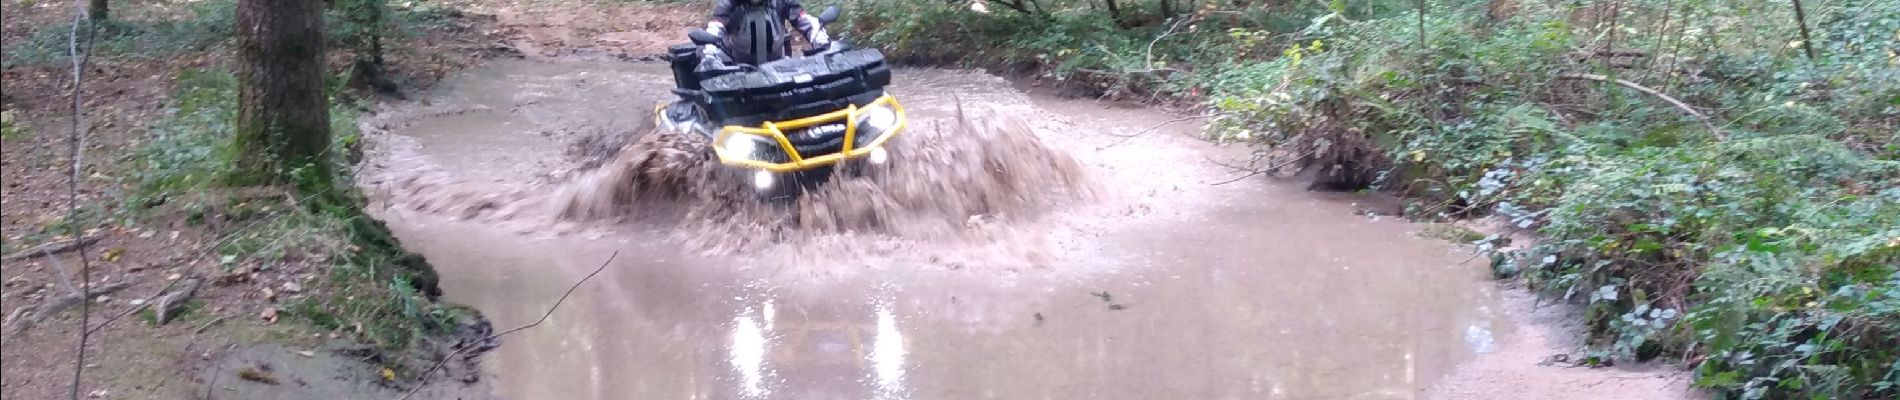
{"type": "Point", "coordinates": [779, 124]}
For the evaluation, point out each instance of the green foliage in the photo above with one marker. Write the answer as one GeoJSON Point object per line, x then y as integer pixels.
{"type": "Point", "coordinates": [1771, 247]}
{"type": "Point", "coordinates": [185, 151]}
{"type": "Point", "coordinates": [1763, 241]}
{"type": "Point", "coordinates": [208, 23]}
{"type": "Point", "coordinates": [373, 287]}
{"type": "Point", "coordinates": [1146, 51]}
{"type": "Point", "coordinates": [8, 129]}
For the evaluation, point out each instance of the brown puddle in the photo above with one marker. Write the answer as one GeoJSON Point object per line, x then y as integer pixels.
{"type": "Point", "coordinates": [1158, 286]}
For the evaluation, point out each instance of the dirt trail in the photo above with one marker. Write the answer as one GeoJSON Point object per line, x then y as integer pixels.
{"type": "Point", "coordinates": [1024, 250]}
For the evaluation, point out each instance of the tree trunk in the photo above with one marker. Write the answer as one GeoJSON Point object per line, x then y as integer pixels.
{"type": "Point", "coordinates": [97, 10]}
{"type": "Point", "coordinates": [369, 67]}
{"type": "Point", "coordinates": [283, 128]}
{"type": "Point", "coordinates": [1801, 18]}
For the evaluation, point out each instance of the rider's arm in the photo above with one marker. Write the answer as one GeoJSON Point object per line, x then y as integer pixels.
{"type": "Point", "coordinates": [805, 23]}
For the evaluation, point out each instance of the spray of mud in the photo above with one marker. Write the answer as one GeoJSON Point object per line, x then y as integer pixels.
{"type": "Point", "coordinates": [944, 180]}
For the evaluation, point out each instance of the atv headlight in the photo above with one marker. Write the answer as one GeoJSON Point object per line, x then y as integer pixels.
{"type": "Point", "coordinates": [874, 122]}
{"type": "Point", "coordinates": [746, 146]}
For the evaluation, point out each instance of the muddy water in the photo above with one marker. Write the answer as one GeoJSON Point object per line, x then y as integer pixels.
{"type": "Point", "coordinates": [1162, 286]}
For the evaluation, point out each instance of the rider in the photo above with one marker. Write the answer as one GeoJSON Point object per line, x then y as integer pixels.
{"type": "Point", "coordinates": [727, 10]}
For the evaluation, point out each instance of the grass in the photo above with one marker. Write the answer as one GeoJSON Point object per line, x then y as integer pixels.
{"type": "Point", "coordinates": [208, 24]}
{"type": "Point", "coordinates": [368, 285]}
{"type": "Point", "coordinates": [9, 130]}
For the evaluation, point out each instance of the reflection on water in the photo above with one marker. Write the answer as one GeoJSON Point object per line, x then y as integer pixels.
{"type": "Point", "coordinates": [748, 355]}
{"type": "Point", "coordinates": [1479, 337]}
{"type": "Point", "coordinates": [887, 357]}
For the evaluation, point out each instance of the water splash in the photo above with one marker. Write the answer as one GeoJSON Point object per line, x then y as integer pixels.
{"type": "Point", "coordinates": [944, 181]}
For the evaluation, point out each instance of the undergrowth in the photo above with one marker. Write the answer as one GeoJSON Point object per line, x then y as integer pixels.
{"type": "Point", "coordinates": [368, 285]}
{"type": "Point", "coordinates": [1757, 238]}
{"type": "Point", "coordinates": [208, 24]}
{"type": "Point", "coordinates": [1163, 48]}
{"type": "Point", "coordinates": [1753, 236]}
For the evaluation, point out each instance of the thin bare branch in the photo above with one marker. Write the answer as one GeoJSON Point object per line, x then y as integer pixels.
{"type": "Point", "coordinates": [1271, 168]}
{"type": "Point", "coordinates": [51, 248]}
{"type": "Point", "coordinates": [1686, 109]}
{"type": "Point", "coordinates": [77, 142]}
{"type": "Point", "coordinates": [424, 378]}
{"type": "Point", "coordinates": [1126, 138]}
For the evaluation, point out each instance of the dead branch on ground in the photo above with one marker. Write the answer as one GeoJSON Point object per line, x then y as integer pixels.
{"type": "Point", "coordinates": [1685, 107]}
{"type": "Point", "coordinates": [423, 379]}
{"type": "Point", "coordinates": [21, 319]}
{"type": "Point", "coordinates": [167, 305]}
{"type": "Point", "coordinates": [1126, 138]}
{"type": "Point", "coordinates": [52, 248]}
{"type": "Point", "coordinates": [1271, 168]}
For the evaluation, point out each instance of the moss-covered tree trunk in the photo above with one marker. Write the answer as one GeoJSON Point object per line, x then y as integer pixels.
{"type": "Point", "coordinates": [96, 10]}
{"type": "Point", "coordinates": [283, 124]}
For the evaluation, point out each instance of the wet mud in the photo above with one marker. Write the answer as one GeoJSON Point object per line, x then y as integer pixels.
{"type": "Point", "coordinates": [1017, 247]}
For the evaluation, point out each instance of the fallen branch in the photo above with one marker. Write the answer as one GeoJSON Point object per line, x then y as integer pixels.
{"type": "Point", "coordinates": [1653, 92]}
{"type": "Point", "coordinates": [207, 325]}
{"type": "Point", "coordinates": [63, 275]}
{"type": "Point", "coordinates": [52, 248]}
{"type": "Point", "coordinates": [1236, 168]}
{"type": "Point", "coordinates": [169, 303]}
{"type": "Point", "coordinates": [1271, 168]}
{"type": "Point", "coordinates": [15, 320]}
{"type": "Point", "coordinates": [1126, 138]}
{"type": "Point", "coordinates": [16, 324]}
{"type": "Point", "coordinates": [424, 378]}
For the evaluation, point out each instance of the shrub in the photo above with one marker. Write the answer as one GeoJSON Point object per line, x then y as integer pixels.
{"type": "Point", "coordinates": [1761, 245]}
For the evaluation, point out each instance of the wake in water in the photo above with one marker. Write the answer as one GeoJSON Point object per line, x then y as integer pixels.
{"type": "Point", "coordinates": [981, 167]}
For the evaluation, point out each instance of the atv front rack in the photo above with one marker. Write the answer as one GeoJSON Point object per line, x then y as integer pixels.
{"type": "Point", "coordinates": [793, 160]}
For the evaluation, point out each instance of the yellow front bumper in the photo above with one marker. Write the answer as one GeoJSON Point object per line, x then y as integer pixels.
{"type": "Point", "coordinates": [798, 162]}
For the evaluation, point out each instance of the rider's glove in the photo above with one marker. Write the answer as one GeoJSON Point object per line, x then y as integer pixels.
{"type": "Point", "coordinates": [814, 31]}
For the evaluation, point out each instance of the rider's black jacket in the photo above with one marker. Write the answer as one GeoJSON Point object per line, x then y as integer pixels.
{"type": "Point", "coordinates": [791, 10]}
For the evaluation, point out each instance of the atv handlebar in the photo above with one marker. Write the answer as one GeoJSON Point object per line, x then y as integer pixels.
{"type": "Point", "coordinates": [702, 37]}
{"type": "Point", "coordinates": [829, 15]}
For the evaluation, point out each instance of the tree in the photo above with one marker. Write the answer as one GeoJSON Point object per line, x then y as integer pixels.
{"type": "Point", "coordinates": [97, 10]}
{"type": "Point", "coordinates": [362, 32]}
{"type": "Point", "coordinates": [283, 128]}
